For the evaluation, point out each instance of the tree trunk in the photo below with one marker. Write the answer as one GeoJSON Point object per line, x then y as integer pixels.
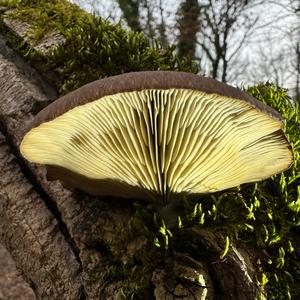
{"type": "Point", "coordinates": [69, 245]}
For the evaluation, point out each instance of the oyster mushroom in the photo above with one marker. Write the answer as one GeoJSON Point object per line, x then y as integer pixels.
{"type": "Point", "coordinates": [156, 134]}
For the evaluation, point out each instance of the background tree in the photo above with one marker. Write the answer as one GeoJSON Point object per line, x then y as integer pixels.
{"type": "Point", "coordinates": [225, 28]}
{"type": "Point", "coordinates": [188, 27]}
{"type": "Point", "coordinates": [275, 52]}
{"type": "Point", "coordinates": [131, 13]}
{"type": "Point", "coordinates": [294, 37]}
{"type": "Point", "coordinates": [147, 16]}
{"type": "Point", "coordinates": [220, 29]}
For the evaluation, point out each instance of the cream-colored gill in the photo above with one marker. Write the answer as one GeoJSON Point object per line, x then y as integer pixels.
{"type": "Point", "coordinates": [167, 141]}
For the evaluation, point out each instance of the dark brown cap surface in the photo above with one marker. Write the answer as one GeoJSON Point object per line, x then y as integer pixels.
{"type": "Point", "coordinates": [138, 81]}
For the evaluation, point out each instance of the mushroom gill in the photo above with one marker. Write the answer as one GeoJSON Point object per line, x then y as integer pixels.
{"type": "Point", "coordinates": [165, 141]}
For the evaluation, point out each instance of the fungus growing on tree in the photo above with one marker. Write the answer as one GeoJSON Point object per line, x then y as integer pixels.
{"type": "Point", "coordinates": [157, 134]}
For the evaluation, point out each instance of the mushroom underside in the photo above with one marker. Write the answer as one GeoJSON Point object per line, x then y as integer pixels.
{"type": "Point", "coordinates": [163, 141]}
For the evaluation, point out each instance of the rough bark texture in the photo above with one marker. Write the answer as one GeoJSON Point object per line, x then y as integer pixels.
{"type": "Point", "coordinates": [64, 242]}
{"type": "Point", "coordinates": [12, 285]}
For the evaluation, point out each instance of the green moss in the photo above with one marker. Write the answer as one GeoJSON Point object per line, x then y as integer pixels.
{"type": "Point", "coordinates": [137, 266]}
{"type": "Point", "coordinates": [94, 48]}
{"type": "Point", "coordinates": [278, 219]}
{"type": "Point", "coordinates": [264, 215]}
{"type": "Point", "coordinates": [45, 16]}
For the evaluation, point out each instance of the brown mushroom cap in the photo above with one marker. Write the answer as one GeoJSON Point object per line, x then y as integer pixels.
{"type": "Point", "coordinates": [138, 81]}
{"type": "Point", "coordinates": [157, 133]}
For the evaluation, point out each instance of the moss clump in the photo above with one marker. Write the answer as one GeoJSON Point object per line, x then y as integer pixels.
{"type": "Point", "coordinates": [139, 258]}
{"type": "Point", "coordinates": [94, 48]}
{"type": "Point", "coordinates": [278, 219]}
{"type": "Point", "coordinates": [265, 215]}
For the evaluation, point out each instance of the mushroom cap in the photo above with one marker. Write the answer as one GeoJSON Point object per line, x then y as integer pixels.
{"type": "Point", "coordinates": [156, 134]}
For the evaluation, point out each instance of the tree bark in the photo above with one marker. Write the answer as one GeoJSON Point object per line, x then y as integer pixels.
{"type": "Point", "coordinates": [12, 285]}
{"type": "Point", "coordinates": [69, 245]}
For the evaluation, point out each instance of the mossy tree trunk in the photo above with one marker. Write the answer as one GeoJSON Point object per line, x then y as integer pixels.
{"type": "Point", "coordinates": [69, 245]}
